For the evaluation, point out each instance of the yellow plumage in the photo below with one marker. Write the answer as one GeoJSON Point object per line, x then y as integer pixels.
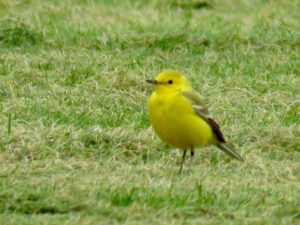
{"type": "Point", "coordinates": [179, 117]}
{"type": "Point", "coordinates": [176, 123]}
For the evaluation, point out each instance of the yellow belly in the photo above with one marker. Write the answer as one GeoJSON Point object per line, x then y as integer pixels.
{"type": "Point", "coordinates": [176, 123]}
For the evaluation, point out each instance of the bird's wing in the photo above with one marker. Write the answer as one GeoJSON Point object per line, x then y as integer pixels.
{"type": "Point", "coordinates": [202, 111]}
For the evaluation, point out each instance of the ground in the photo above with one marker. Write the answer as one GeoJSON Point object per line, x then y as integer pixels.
{"type": "Point", "coordinates": [76, 145]}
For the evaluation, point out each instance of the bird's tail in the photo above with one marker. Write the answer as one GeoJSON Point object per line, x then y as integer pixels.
{"type": "Point", "coordinates": [225, 148]}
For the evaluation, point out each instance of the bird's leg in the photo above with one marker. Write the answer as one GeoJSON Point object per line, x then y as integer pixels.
{"type": "Point", "coordinates": [182, 161]}
{"type": "Point", "coordinates": [191, 159]}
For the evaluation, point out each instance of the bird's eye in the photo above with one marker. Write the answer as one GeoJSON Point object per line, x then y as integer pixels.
{"type": "Point", "coordinates": [170, 82]}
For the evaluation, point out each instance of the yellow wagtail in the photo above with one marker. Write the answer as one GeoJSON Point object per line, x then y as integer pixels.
{"type": "Point", "coordinates": [180, 118]}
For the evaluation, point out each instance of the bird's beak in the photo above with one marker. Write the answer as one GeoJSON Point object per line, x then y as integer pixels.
{"type": "Point", "coordinates": [152, 81]}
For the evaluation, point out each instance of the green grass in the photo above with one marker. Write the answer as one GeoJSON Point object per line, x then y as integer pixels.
{"type": "Point", "coordinates": [76, 145]}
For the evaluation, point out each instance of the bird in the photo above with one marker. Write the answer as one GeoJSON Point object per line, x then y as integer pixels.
{"type": "Point", "coordinates": [180, 117]}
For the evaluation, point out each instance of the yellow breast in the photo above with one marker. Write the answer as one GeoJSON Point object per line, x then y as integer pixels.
{"type": "Point", "coordinates": [176, 123]}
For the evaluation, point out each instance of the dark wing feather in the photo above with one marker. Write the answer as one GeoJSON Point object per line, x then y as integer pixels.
{"type": "Point", "coordinates": [203, 112]}
{"type": "Point", "coordinates": [216, 129]}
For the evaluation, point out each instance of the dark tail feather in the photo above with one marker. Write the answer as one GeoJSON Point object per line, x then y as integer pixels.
{"type": "Point", "coordinates": [225, 148]}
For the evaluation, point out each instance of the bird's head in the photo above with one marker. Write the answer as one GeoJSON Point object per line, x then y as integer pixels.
{"type": "Point", "coordinates": [169, 81]}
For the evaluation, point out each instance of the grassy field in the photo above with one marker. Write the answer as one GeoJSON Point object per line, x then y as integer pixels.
{"type": "Point", "coordinates": [76, 146]}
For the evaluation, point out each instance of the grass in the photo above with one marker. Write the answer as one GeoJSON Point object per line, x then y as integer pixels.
{"type": "Point", "coordinates": [76, 145]}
